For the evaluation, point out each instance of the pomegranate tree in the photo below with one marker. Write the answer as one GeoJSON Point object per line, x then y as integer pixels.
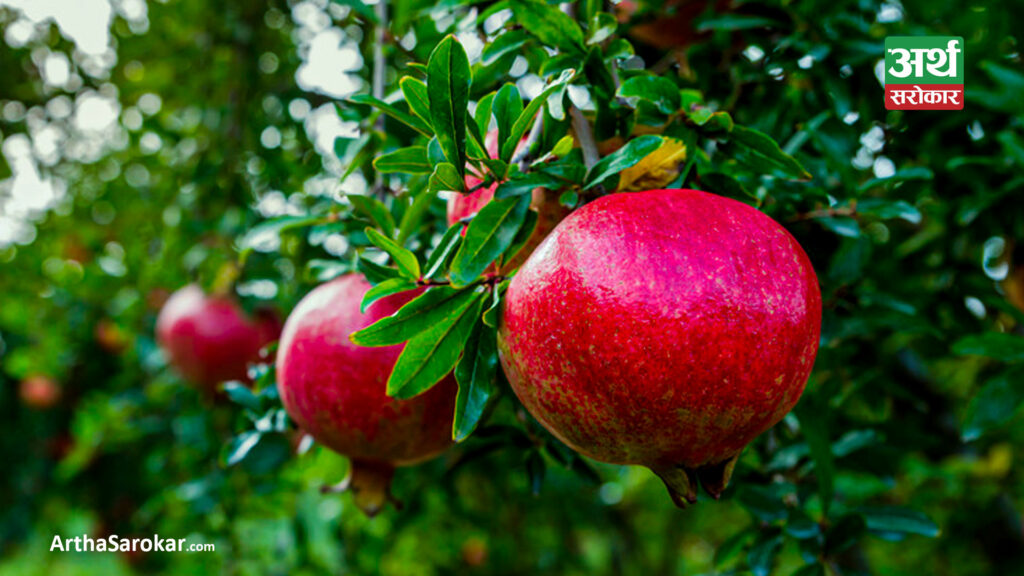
{"type": "Point", "coordinates": [335, 390]}
{"type": "Point", "coordinates": [665, 328]}
{"type": "Point", "coordinates": [210, 339]}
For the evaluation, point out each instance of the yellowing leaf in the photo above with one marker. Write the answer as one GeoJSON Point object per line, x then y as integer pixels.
{"type": "Point", "coordinates": [656, 170]}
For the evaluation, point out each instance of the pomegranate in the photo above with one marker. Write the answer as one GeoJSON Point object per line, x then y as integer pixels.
{"type": "Point", "coordinates": [335, 390]}
{"type": "Point", "coordinates": [39, 392]}
{"type": "Point", "coordinates": [666, 328]}
{"type": "Point", "coordinates": [544, 202]}
{"type": "Point", "coordinates": [209, 339]}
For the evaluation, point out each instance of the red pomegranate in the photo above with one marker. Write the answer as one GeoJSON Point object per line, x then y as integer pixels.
{"type": "Point", "coordinates": [210, 339]}
{"type": "Point", "coordinates": [335, 390]}
{"type": "Point", "coordinates": [666, 328]}
{"type": "Point", "coordinates": [544, 202]}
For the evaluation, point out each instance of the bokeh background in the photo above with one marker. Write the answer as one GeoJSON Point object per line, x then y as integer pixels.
{"type": "Point", "coordinates": [141, 140]}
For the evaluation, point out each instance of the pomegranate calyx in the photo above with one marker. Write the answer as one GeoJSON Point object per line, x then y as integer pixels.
{"type": "Point", "coordinates": [369, 482]}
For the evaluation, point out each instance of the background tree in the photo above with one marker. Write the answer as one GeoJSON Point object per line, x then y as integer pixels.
{"type": "Point", "coordinates": [235, 145]}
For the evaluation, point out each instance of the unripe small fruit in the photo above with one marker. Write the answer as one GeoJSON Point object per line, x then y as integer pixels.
{"type": "Point", "coordinates": [210, 339]}
{"type": "Point", "coordinates": [666, 328]}
{"type": "Point", "coordinates": [335, 390]}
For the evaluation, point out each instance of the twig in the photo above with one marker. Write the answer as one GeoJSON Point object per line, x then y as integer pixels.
{"type": "Point", "coordinates": [379, 73]}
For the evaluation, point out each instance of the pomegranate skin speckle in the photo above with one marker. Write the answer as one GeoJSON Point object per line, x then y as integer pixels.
{"type": "Point", "coordinates": [666, 328]}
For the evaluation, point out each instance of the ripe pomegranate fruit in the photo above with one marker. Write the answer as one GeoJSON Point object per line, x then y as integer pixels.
{"type": "Point", "coordinates": [335, 390]}
{"type": "Point", "coordinates": [665, 328]}
{"type": "Point", "coordinates": [39, 392]}
{"type": "Point", "coordinates": [543, 201]}
{"type": "Point", "coordinates": [210, 339]}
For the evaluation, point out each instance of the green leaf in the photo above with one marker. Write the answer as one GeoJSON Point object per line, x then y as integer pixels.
{"type": "Point", "coordinates": [482, 114]}
{"type": "Point", "coordinates": [446, 177]}
{"type": "Point", "coordinates": [899, 520]}
{"type": "Point", "coordinates": [375, 273]}
{"type": "Point", "coordinates": [760, 150]}
{"type": "Point", "coordinates": [998, 345]}
{"type": "Point", "coordinates": [563, 146]}
{"type": "Point", "coordinates": [762, 554]}
{"type": "Point", "coordinates": [410, 160]}
{"type": "Point", "coordinates": [508, 106]}
{"type": "Point", "coordinates": [431, 355]}
{"type": "Point", "coordinates": [270, 451]}
{"type": "Point", "coordinates": [448, 81]}
{"type": "Point", "coordinates": [374, 210]}
{"type": "Point", "coordinates": [526, 118]}
{"type": "Point", "coordinates": [414, 214]}
{"type": "Point", "coordinates": [814, 426]}
{"type": "Point", "coordinates": [996, 403]}
{"type": "Point", "coordinates": [522, 236]}
{"type": "Point", "coordinates": [525, 184]}
{"type": "Point", "coordinates": [601, 27]}
{"type": "Point", "coordinates": [445, 250]}
{"type": "Point", "coordinates": [762, 503]}
{"type": "Point", "coordinates": [475, 374]}
{"type": "Point", "coordinates": [490, 233]}
{"type": "Point", "coordinates": [492, 314]}
{"type": "Point", "coordinates": [661, 92]}
{"type": "Point", "coordinates": [239, 447]}
{"type": "Point", "coordinates": [359, 7]}
{"type": "Point", "coordinates": [409, 120]}
{"type": "Point", "coordinates": [419, 314]}
{"type": "Point", "coordinates": [406, 260]}
{"type": "Point", "coordinates": [507, 43]}
{"type": "Point", "coordinates": [415, 92]}
{"type": "Point", "coordinates": [385, 289]}
{"type": "Point", "coordinates": [629, 155]}
{"type": "Point", "coordinates": [889, 209]}
{"type": "Point", "coordinates": [734, 22]}
{"type": "Point", "coordinates": [241, 394]}
{"type": "Point", "coordinates": [549, 24]}
{"type": "Point", "coordinates": [266, 234]}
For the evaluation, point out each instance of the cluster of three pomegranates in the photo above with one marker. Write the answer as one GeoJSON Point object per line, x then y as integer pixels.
{"type": "Point", "coordinates": [665, 328]}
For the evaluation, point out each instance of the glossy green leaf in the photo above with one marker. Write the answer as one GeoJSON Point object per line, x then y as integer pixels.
{"type": "Point", "coordinates": [410, 160]}
{"type": "Point", "coordinates": [241, 394]}
{"type": "Point", "coordinates": [526, 118]}
{"type": "Point", "coordinates": [549, 24]}
{"type": "Point", "coordinates": [406, 260]}
{"type": "Point", "coordinates": [899, 520]}
{"type": "Point", "coordinates": [448, 81]}
{"type": "Point", "coordinates": [661, 92]}
{"type": "Point", "coordinates": [507, 43]}
{"type": "Point", "coordinates": [475, 374]}
{"type": "Point", "coordinates": [759, 150]}
{"type": "Point", "coordinates": [762, 554]}
{"type": "Point", "coordinates": [507, 106]}
{"type": "Point", "coordinates": [441, 256]}
{"type": "Point", "coordinates": [406, 118]}
{"type": "Point", "coordinates": [415, 92]}
{"type": "Point", "coordinates": [998, 401]}
{"type": "Point", "coordinates": [385, 289]}
{"type": "Point", "coordinates": [998, 345]}
{"type": "Point", "coordinates": [626, 157]}
{"type": "Point", "coordinates": [482, 114]}
{"type": "Point", "coordinates": [490, 233]}
{"type": "Point", "coordinates": [446, 177]}
{"type": "Point", "coordinates": [421, 313]}
{"type": "Point", "coordinates": [374, 210]}
{"type": "Point", "coordinates": [601, 27]}
{"type": "Point", "coordinates": [432, 354]}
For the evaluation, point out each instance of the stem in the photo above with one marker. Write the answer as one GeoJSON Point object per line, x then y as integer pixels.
{"type": "Point", "coordinates": [379, 75]}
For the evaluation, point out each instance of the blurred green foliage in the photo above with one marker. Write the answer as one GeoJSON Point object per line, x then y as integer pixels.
{"type": "Point", "coordinates": [218, 157]}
